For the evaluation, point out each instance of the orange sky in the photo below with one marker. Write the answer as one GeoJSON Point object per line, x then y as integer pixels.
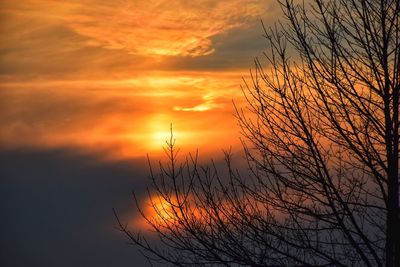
{"type": "Point", "coordinates": [109, 77]}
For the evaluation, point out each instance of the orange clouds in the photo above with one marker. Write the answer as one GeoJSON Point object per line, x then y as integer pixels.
{"type": "Point", "coordinates": [162, 27]}
{"type": "Point", "coordinates": [148, 28]}
{"type": "Point", "coordinates": [113, 75]}
{"type": "Point", "coordinates": [73, 39]}
{"type": "Point", "coordinates": [121, 118]}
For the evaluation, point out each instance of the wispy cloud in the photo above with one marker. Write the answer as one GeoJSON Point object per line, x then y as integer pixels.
{"type": "Point", "coordinates": [115, 74]}
{"type": "Point", "coordinates": [94, 38]}
{"type": "Point", "coordinates": [162, 27]}
{"type": "Point", "coordinates": [122, 118]}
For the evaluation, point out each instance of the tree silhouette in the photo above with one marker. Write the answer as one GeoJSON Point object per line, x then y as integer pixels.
{"type": "Point", "coordinates": [321, 130]}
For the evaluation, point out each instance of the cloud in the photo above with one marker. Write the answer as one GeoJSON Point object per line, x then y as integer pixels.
{"type": "Point", "coordinates": [126, 118]}
{"type": "Point", "coordinates": [79, 39]}
{"type": "Point", "coordinates": [162, 27]}
{"type": "Point", "coordinates": [207, 104]}
{"type": "Point", "coordinates": [57, 208]}
{"type": "Point", "coordinates": [68, 79]}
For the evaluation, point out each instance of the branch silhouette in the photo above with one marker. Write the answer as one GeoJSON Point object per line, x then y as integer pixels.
{"type": "Point", "coordinates": [321, 138]}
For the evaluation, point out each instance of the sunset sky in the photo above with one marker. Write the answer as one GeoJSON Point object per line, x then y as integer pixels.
{"type": "Point", "coordinates": [87, 89]}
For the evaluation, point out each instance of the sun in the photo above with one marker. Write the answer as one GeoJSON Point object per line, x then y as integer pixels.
{"type": "Point", "coordinates": [161, 128]}
{"type": "Point", "coordinates": [159, 138]}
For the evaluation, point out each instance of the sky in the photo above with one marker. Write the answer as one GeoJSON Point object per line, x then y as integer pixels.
{"type": "Point", "coordinates": [88, 89]}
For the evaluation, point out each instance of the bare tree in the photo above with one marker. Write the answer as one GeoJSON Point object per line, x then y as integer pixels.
{"type": "Point", "coordinates": [321, 132]}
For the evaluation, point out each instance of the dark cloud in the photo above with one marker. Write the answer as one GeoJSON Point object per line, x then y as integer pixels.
{"type": "Point", "coordinates": [233, 50]}
{"type": "Point", "coordinates": [56, 209]}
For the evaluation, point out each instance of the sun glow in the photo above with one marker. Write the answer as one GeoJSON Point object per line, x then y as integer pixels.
{"type": "Point", "coordinates": [122, 118]}
{"type": "Point", "coordinates": [162, 210]}
{"type": "Point", "coordinates": [160, 139]}
{"type": "Point", "coordinates": [109, 78]}
{"type": "Point", "coordinates": [156, 210]}
{"type": "Point", "coordinates": [164, 213]}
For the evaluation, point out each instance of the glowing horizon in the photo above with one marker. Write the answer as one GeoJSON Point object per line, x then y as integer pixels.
{"type": "Point", "coordinates": [114, 117]}
{"type": "Point", "coordinates": [110, 78]}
